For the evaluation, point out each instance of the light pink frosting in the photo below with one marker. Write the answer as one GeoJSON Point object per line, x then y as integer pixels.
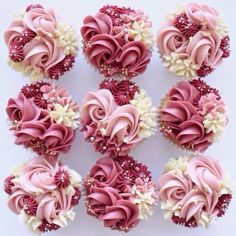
{"type": "Point", "coordinates": [98, 24]}
{"type": "Point", "coordinates": [15, 29]}
{"type": "Point", "coordinates": [204, 48]}
{"type": "Point", "coordinates": [97, 105]}
{"type": "Point", "coordinates": [105, 172]}
{"type": "Point", "coordinates": [203, 15]}
{"type": "Point", "coordinates": [41, 21]}
{"type": "Point", "coordinates": [123, 124]}
{"type": "Point", "coordinates": [206, 173]}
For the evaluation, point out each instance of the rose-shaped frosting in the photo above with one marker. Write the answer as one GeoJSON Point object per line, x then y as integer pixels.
{"type": "Point", "coordinates": [100, 198]}
{"type": "Point", "coordinates": [206, 173]}
{"type": "Point", "coordinates": [103, 49]}
{"type": "Point", "coordinates": [38, 176]}
{"type": "Point", "coordinates": [202, 14]}
{"type": "Point", "coordinates": [170, 39]}
{"type": "Point", "coordinates": [22, 109]}
{"type": "Point", "coordinates": [204, 48]}
{"type": "Point", "coordinates": [122, 125]}
{"type": "Point", "coordinates": [98, 24]}
{"type": "Point", "coordinates": [15, 29]}
{"type": "Point", "coordinates": [173, 188]}
{"type": "Point", "coordinates": [42, 54]}
{"type": "Point", "coordinates": [134, 57]}
{"type": "Point", "coordinates": [123, 215]}
{"type": "Point", "coordinates": [41, 21]}
{"type": "Point", "coordinates": [97, 105]}
{"type": "Point", "coordinates": [105, 172]}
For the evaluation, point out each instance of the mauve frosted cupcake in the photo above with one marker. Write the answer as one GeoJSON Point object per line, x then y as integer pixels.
{"type": "Point", "coordinates": [44, 118]}
{"type": "Point", "coordinates": [194, 191]}
{"type": "Point", "coordinates": [40, 43]}
{"type": "Point", "coordinates": [117, 117]}
{"type": "Point", "coordinates": [192, 115]}
{"type": "Point", "coordinates": [193, 41]}
{"type": "Point", "coordinates": [43, 193]}
{"type": "Point", "coordinates": [120, 192]}
{"type": "Point", "coordinates": [118, 41]}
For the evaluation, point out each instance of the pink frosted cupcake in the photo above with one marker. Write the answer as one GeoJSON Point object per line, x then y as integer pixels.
{"type": "Point", "coordinates": [43, 118]}
{"type": "Point", "coordinates": [117, 117]}
{"type": "Point", "coordinates": [192, 115]}
{"type": "Point", "coordinates": [118, 41]}
{"type": "Point", "coordinates": [120, 192]}
{"type": "Point", "coordinates": [40, 44]}
{"type": "Point", "coordinates": [43, 194]}
{"type": "Point", "coordinates": [194, 41]}
{"type": "Point", "coordinates": [194, 191]}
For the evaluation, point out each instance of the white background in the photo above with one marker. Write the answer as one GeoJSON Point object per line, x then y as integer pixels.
{"type": "Point", "coordinates": [154, 152]}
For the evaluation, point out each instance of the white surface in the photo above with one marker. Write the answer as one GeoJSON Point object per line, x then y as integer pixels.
{"type": "Point", "coordinates": [154, 152]}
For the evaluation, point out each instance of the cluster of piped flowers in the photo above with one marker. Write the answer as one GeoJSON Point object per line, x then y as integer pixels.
{"type": "Point", "coordinates": [194, 191]}
{"type": "Point", "coordinates": [192, 115]}
{"type": "Point", "coordinates": [118, 41]}
{"type": "Point", "coordinates": [193, 41]}
{"type": "Point", "coordinates": [43, 118]}
{"type": "Point", "coordinates": [120, 192]}
{"type": "Point", "coordinates": [43, 194]}
{"type": "Point", "coordinates": [117, 117]}
{"type": "Point", "coordinates": [40, 44]}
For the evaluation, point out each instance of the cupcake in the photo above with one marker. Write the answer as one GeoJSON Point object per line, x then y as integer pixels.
{"type": "Point", "coordinates": [118, 41]}
{"type": "Point", "coordinates": [194, 41]}
{"type": "Point", "coordinates": [120, 192]}
{"type": "Point", "coordinates": [44, 118]}
{"type": "Point", "coordinates": [43, 193]}
{"type": "Point", "coordinates": [117, 117]}
{"type": "Point", "coordinates": [194, 191]}
{"type": "Point", "coordinates": [192, 115]}
{"type": "Point", "coordinates": [40, 44]}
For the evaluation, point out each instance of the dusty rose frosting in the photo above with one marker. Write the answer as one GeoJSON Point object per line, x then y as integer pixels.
{"type": "Point", "coordinates": [184, 111]}
{"type": "Point", "coordinates": [116, 190]}
{"type": "Point", "coordinates": [194, 191]}
{"type": "Point", "coordinates": [42, 192]}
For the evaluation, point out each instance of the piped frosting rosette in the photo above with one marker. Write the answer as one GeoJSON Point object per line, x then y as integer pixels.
{"type": "Point", "coordinates": [194, 191]}
{"type": "Point", "coordinates": [192, 115]}
{"type": "Point", "coordinates": [120, 192]}
{"type": "Point", "coordinates": [43, 194]}
{"type": "Point", "coordinates": [41, 44]}
{"type": "Point", "coordinates": [44, 118]}
{"type": "Point", "coordinates": [117, 117]}
{"type": "Point", "coordinates": [193, 41]}
{"type": "Point", "coordinates": [118, 41]}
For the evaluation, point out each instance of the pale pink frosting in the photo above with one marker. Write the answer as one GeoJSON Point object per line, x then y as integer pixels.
{"type": "Point", "coordinates": [124, 214]}
{"type": "Point", "coordinates": [170, 39]}
{"type": "Point", "coordinates": [202, 14]}
{"type": "Point", "coordinates": [204, 48]}
{"type": "Point", "coordinates": [122, 125]}
{"type": "Point", "coordinates": [173, 188]}
{"type": "Point", "coordinates": [97, 105]}
{"type": "Point", "coordinates": [98, 24]}
{"type": "Point", "coordinates": [41, 21]}
{"type": "Point", "coordinates": [22, 109]}
{"type": "Point", "coordinates": [42, 54]}
{"type": "Point", "coordinates": [105, 172]}
{"type": "Point", "coordinates": [38, 175]}
{"type": "Point", "coordinates": [134, 57]}
{"type": "Point", "coordinates": [14, 30]}
{"type": "Point", "coordinates": [206, 173]}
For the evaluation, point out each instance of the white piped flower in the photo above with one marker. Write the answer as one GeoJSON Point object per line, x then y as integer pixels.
{"type": "Point", "coordinates": [170, 209]}
{"type": "Point", "coordinates": [173, 14]}
{"type": "Point", "coordinates": [177, 166]}
{"type": "Point", "coordinates": [65, 115]}
{"type": "Point", "coordinates": [140, 31]}
{"type": "Point", "coordinates": [75, 179]}
{"type": "Point", "coordinates": [205, 220]}
{"type": "Point", "coordinates": [181, 67]}
{"type": "Point", "coordinates": [215, 123]}
{"type": "Point", "coordinates": [221, 27]}
{"type": "Point", "coordinates": [147, 113]}
{"type": "Point", "coordinates": [67, 39]}
{"type": "Point", "coordinates": [64, 218]}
